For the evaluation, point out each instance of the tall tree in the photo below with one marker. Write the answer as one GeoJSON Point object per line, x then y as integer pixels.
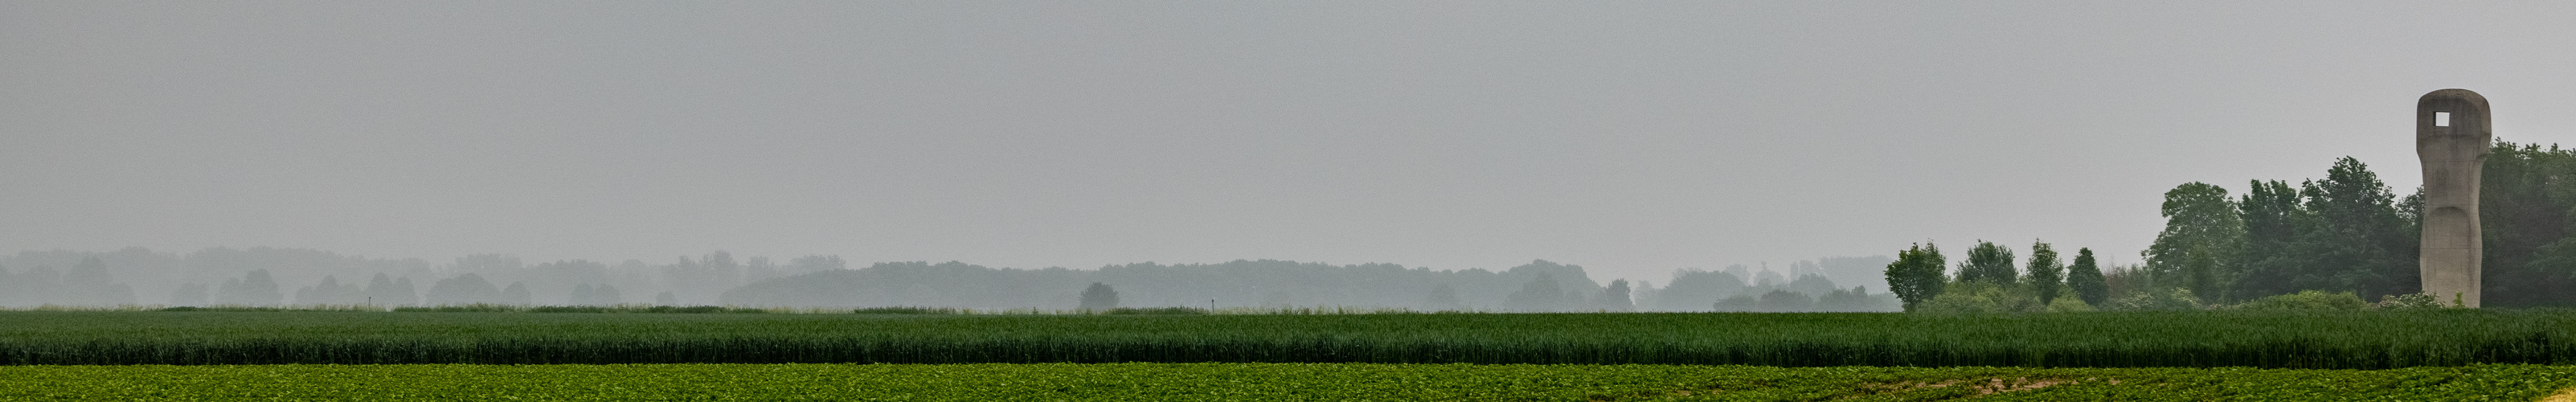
{"type": "Point", "coordinates": [2359, 233]}
{"type": "Point", "coordinates": [1615, 298]}
{"type": "Point", "coordinates": [1099, 297]}
{"type": "Point", "coordinates": [2086, 278]}
{"type": "Point", "coordinates": [1989, 263]}
{"type": "Point", "coordinates": [2525, 196]}
{"type": "Point", "coordinates": [2273, 219]}
{"type": "Point", "coordinates": [2046, 273]}
{"type": "Point", "coordinates": [2203, 232]}
{"type": "Point", "coordinates": [1916, 276]}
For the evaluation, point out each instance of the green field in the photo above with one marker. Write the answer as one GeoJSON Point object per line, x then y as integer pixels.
{"type": "Point", "coordinates": [2331, 340]}
{"type": "Point", "coordinates": [1268, 381]}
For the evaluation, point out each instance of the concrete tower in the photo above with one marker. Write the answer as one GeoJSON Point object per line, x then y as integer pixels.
{"type": "Point", "coordinates": [2452, 137]}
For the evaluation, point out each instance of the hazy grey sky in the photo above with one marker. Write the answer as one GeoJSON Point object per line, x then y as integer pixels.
{"type": "Point", "coordinates": [1629, 137]}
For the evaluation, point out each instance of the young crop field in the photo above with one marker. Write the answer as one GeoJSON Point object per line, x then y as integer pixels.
{"type": "Point", "coordinates": [1269, 381]}
{"type": "Point", "coordinates": [2322, 340]}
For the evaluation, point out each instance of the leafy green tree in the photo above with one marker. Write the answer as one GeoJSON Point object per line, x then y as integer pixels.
{"type": "Point", "coordinates": [2046, 273]}
{"type": "Point", "coordinates": [2525, 198]}
{"type": "Point", "coordinates": [1615, 298]}
{"type": "Point", "coordinates": [1989, 263]}
{"type": "Point", "coordinates": [2273, 220]}
{"type": "Point", "coordinates": [1917, 275]}
{"type": "Point", "coordinates": [2086, 278]}
{"type": "Point", "coordinates": [2202, 232]}
{"type": "Point", "coordinates": [1099, 297]}
{"type": "Point", "coordinates": [2359, 241]}
{"type": "Point", "coordinates": [2201, 272]}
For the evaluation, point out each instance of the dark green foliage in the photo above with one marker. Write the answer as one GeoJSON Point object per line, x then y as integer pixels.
{"type": "Point", "coordinates": [1989, 263]}
{"type": "Point", "coordinates": [2046, 273]}
{"type": "Point", "coordinates": [2273, 220]}
{"type": "Point", "coordinates": [2525, 197]}
{"type": "Point", "coordinates": [2086, 278]}
{"type": "Point", "coordinates": [2294, 339]}
{"type": "Point", "coordinates": [1099, 297]}
{"type": "Point", "coordinates": [2203, 231]}
{"type": "Point", "coordinates": [1917, 275]}
{"type": "Point", "coordinates": [2359, 233]}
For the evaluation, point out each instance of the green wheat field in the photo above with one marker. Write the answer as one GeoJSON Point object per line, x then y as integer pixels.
{"type": "Point", "coordinates": [2504, 355]}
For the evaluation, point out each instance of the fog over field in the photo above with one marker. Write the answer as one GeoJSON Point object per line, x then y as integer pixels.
{"type": "Point", "coordinates": [1422, 155]}
{"type": "Point", "coordinates": [265, 276]}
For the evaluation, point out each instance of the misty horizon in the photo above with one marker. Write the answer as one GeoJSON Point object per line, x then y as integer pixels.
{"type": "Point", "coordinates": [215, 276]}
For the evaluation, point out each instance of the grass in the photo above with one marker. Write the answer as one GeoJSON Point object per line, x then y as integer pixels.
{"type": "Point", "coordinates": [2332, 340]}
{"type": "Point", "coordinates": [1268, 381]}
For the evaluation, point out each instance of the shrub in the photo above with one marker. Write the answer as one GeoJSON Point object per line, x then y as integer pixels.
{"type": "Point", "coordinates": [2065, 304]}
{"type": "Point", "coordinates": [1984, 297]}
{"type": "Point", "coordinates": [2411, 301]}
{"type": "Point", "coordinates": [2307, 300]}
{"type": "Point", "coordinates": [2176, 299]}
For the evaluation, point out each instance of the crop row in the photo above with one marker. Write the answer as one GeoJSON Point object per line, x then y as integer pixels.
{"type": "Point", "coordinates": [2339, 340]}
{"type": "Point", "coordinates": [1265, 381]}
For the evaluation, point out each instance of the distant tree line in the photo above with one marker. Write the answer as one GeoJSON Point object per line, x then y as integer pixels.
{"type": "Point", "coordinates": [1538, 286]}
{"type": "Point", "coordinates": [264, 276]}
{"type": "Point", "coordinates": [276, 276]}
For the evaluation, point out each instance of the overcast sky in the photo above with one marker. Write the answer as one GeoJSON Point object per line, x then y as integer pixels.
{"type": "Point", "coordinates": [1631, 138]}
